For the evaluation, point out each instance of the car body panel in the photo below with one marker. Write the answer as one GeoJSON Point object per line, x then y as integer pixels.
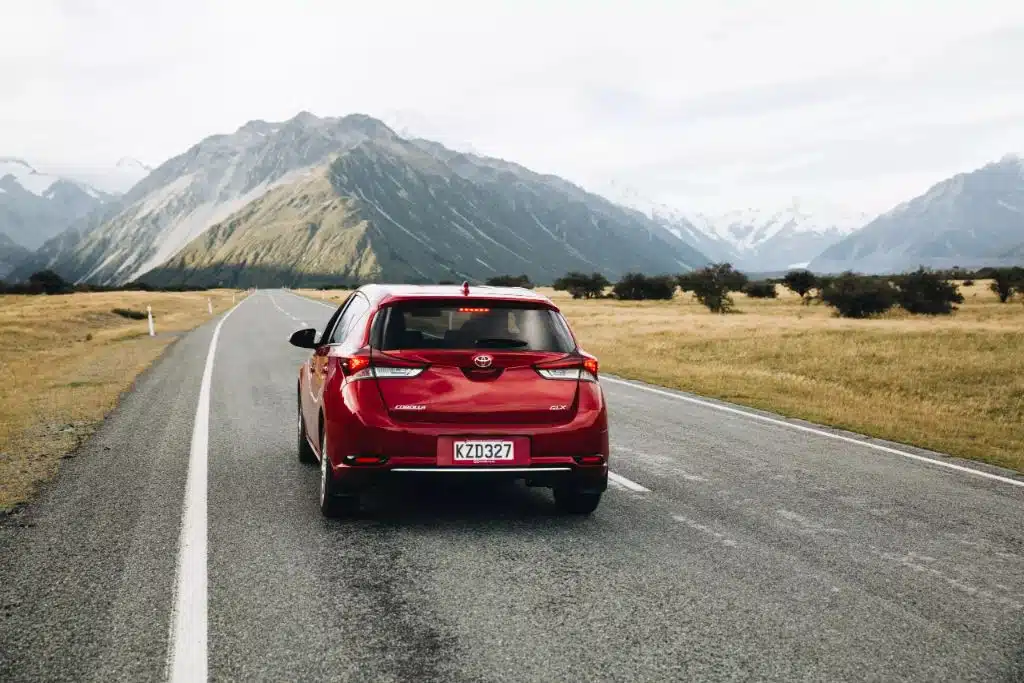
{"type": "Point", "coordinates": [554, 423]}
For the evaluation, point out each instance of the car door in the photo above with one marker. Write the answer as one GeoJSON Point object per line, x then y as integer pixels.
{"type": "Point", "coordinates": [311, 394]}
{"type": "Point", "coordinates": [356, 309]}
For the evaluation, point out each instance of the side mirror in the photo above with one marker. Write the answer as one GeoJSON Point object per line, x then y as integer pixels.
{"type": "Point", "coordinates": [304, 339]}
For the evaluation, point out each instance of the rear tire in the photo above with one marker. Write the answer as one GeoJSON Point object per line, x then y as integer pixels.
{"type": "Point", "coordinates": [575, 502]}
{"type": "Point", "coordinates": [306, 454]}
{"type": "Point", "coordinates": [333, 503]}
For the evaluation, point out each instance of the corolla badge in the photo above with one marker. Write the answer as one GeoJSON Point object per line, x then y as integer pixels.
{"type": "Point", "coordinates": [483, 361]}
{"type": "Point", "coordinates": [410, 406]}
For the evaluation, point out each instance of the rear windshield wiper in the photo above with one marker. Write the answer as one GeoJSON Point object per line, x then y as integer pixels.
{"type": "Point", "coordinates": [499, 343]}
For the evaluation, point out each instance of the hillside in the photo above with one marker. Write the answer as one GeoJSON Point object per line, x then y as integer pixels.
{"type": "Point", "coordinates": [391, 209]}
{"type": "Point", "coordinates": [429, 213]}
{"type": "Point", "coordinates": [12, 255]}
{"type": "Point", "coordinates": [35, 207]}
{"type": "Point", "coordinates": [970, 220]}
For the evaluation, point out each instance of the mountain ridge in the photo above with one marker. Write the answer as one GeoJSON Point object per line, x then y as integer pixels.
{"type": "Point", "coordinates": [166, 212]}
{"type": "Point", "coordinates": [969, 220]}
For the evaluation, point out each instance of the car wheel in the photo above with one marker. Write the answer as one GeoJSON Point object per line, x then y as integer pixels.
{"type": "Point", "coordinates": [332, 503]}
{"type": "Point", "coordinates": [306, 454]}
{"type": "Point", "coordinates": [576, 502]}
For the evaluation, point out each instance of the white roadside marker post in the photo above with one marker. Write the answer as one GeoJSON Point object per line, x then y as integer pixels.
{"type": "Point", "coordinates": [149, 314]}
{"type": "Point", "coordinates": [232, 298]}
{"type": "Point", "coordinates": [209, 305]}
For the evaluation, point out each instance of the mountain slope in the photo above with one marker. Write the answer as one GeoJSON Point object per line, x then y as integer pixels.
{"type": "Point", "coordinates": [186, 195]}
{"type": "Point", "coordinates": [35, 207]}
{"type": "Point", "coordinates": [299, 232]}
{"type": "Point", "coordinates": [970, 220]}
{"type": "Point", "coordinates": [12, 255]}
{"type": "Point", "coordinates": [430, 212]}
{"type": "Point", "coordinates": [391, 209]}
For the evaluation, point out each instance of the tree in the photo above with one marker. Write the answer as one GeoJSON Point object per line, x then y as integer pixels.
{"type": "Point", "coordinates": [581, 285]}
{"type": "Point", "coordinates": [761, 290]}
{"type": "Point", "coordinates": [48, 282]}
{"type": "Point", "coordinates": [510, 281]}
{"type": "Point", "coordinates": [638, 287]}
{"type": "Point", "coordinates": [800, 282]}
{"type": "Point", "coordinates": [1006, 282]}
{"type": "Point", "coordinates": [711, 285]}
{"type": "Point", "coordinates": [856, 296]}
{"type": "Point", "coordinates": [926, 293]}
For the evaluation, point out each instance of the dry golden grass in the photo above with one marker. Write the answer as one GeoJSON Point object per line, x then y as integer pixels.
{"type": "Point", "coordinates": [953, 384]}
{"type": "Point", "coordinates": [64, 360]}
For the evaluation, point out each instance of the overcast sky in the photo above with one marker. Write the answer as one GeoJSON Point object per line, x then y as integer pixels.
{"type": "Point", "coordinates": [707, 105]}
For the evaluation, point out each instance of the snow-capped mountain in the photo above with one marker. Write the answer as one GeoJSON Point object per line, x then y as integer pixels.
{"type": "Point", "coordinates": [35, 206]}
{"type": "Point", "coordinates": [116, 179]}
{"type": "Point", "coordinates": [781, 239]}
{"type": "Point", "coordinates": [752, 239]}
{"type": "Point", "coordinates": [970, 220]}
{"type": "Point", "coordinates": [426, 212]}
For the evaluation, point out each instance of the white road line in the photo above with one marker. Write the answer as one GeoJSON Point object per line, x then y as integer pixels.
{"type": "Point", "coordinates": [187, 656]}
{"type": "Point", "coordinates": [627, 483]}
{"type": "Point", "coordinates": [819, 432]}
{"type": "Point", "coordinates": [313, 301]}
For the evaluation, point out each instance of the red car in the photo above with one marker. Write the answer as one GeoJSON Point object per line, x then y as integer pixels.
{"type": "Point", "coordinates": [449, 381]}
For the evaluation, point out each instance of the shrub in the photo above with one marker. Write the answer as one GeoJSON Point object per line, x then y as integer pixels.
{"type": "Point", "coordinates": [800, 282]}
{"type": "Point", "coordinates": [510, 281]}
{"type": "Point", "coordinates": [926, 293]}
{"type": "Point", "coordinates": [48, 282]}
{"type": "Point", "coordinates": [581, 285]}
{"type": "Point", "coordinates": [638, 287]}
{"type": "Point", "coordinates": [856, 296]}
{"type": "Point", "coordinates": [761, 290]}
{"type": "Point", "coordinates": [129, 313]}
{"type": "Point", "coordinates": [968, 282]}
{"type": "Point", "coordinates": [712, 285]}
{"type": "Point", "coordinates": [1007, 281]}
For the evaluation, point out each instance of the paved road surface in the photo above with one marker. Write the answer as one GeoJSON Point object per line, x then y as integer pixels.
{"type": "Point", "coordinates": [734, 549]}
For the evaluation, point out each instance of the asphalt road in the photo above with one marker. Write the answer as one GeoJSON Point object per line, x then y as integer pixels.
{"type": "Point", "coordinates": [735, 549]}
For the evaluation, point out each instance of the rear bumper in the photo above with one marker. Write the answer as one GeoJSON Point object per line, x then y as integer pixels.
{"type": "Point", "coordinates": [553, 455]}
{"type": "Point", "coordinates": [355, 479]}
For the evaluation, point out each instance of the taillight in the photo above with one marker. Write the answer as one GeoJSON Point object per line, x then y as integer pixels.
{"type": "Point", "coordinates": [366, 367]}
{"type": "Point", "coordinates": [581, 368]}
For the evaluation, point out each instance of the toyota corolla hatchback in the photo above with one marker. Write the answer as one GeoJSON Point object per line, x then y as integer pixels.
{"type": "Point", "coordinates": [446, 381]}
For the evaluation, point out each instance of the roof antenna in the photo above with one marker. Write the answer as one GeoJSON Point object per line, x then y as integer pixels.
{"type": "Point", "coordinates": [465, 288]}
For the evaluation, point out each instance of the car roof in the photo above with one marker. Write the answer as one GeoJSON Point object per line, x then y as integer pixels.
{"type": "Point", "coordinates": [382, 294]}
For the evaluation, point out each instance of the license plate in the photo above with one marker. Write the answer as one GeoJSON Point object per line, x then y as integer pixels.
{"type": "Point", "coordinates": [483, 451]}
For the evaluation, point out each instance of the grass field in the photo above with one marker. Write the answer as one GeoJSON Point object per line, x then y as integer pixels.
{"type": "Point", "coordinates": [64, 361]}
{"type": "Point", "coordinates": [953, 384]}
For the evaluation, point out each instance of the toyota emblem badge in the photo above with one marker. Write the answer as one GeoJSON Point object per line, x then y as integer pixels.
{"type": "Point", "coordinates": [483, 361]}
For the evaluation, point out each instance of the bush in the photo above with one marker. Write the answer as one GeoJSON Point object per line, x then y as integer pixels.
{"type": "Point", "coordinates": [1007, 281]}
{"type": "Point", "coordinates": [800, 282]}
{"type": "Point", "coordinates": [761, 290]}
{"type": "Point", "coordinates": [581, 285]}
{"type": "Point", "coordinates": [639, 287]}
{"type": "Point", "coordinates": [712, 285]}
{"type": "Point", "coordinates": [129, 313]}
{"type": "Point", "coordinates": [968, 282]}
{"type": "Point", "coordinates": [48, 282]}
{"type": "Point", "coordinates": [856, 296]}
{"type": "Point", "coordinates": [926, 293]}
{"type": "Point", "coordinates": [510, 281]}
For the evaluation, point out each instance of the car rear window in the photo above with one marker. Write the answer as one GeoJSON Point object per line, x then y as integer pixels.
{"type": "Point", "coordinates": [473, 325]}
